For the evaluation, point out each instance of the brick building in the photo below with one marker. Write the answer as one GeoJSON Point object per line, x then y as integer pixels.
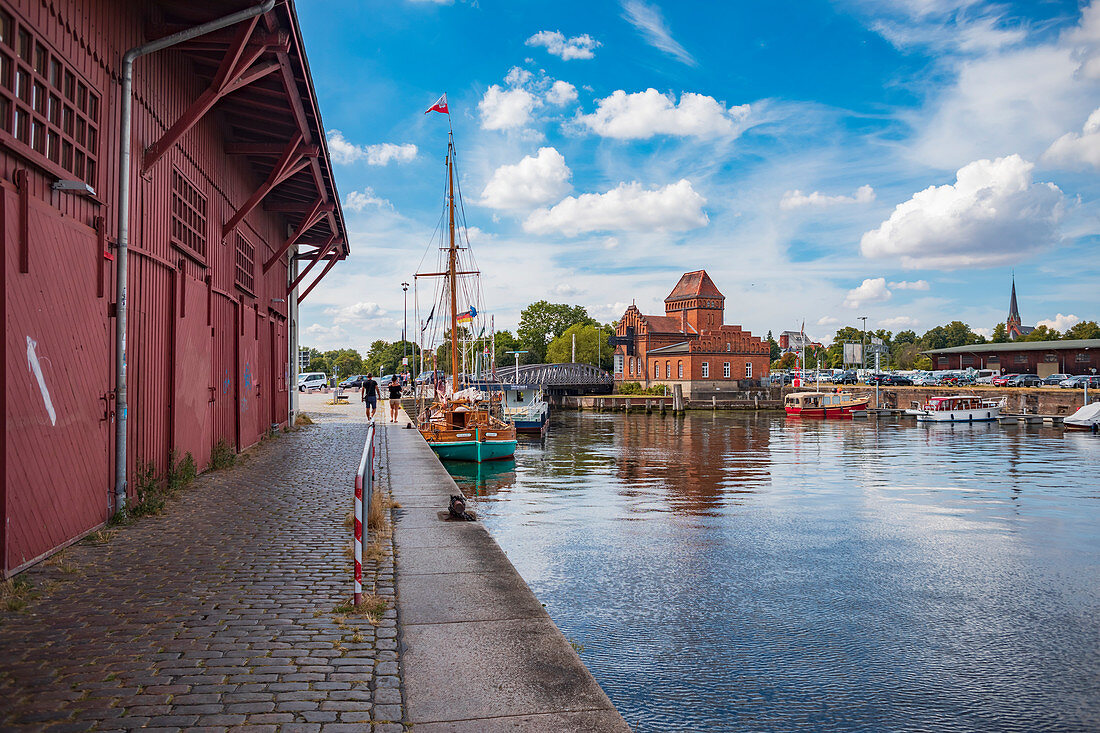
{"type": "Point", "coordinates": [690, 344]}
{"type": "Point", "coordinates": [1073, 356]}
{"type": "Point", "coordinates": [230, 192]}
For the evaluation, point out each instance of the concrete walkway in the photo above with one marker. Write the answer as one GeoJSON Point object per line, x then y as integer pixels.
{"type": "Point", "coordinates": [218, 614]}
{"type": "Point", "coordinates": [478, 651]}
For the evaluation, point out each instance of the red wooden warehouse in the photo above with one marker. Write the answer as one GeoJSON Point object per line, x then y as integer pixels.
{"type": "Point", "coordinates": [232, 208]}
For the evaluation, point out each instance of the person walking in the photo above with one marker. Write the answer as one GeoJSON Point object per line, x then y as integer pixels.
{"type": "Point", "coordinates": [395, 397]}
{"type": "Point", "coordinates": [371, 393]}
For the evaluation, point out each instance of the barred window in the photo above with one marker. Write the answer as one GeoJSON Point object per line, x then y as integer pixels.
{"type": "Point", "coordinates": [44, 106]}
{"type": "Point", "coordinates": [188, 216]}
{"type": "Point", "coordinates": [679, 370]}
{"type": "Point", "coordinates": [1082, 357]}
{"type": "Point", "coordinates": [706, 370]}
{"type": "Point", "coordinates": [1020, 359]}
{"type": "Point", "coordinates": [246, 253]}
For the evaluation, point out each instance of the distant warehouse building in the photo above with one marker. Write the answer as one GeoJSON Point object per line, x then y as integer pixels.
{"type": "Point", "coordinates": [1079, 356]}
{"type": "Point", "coordinates": [230, 188]}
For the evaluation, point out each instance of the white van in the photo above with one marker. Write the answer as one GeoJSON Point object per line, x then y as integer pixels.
{"type": "Point", "coordinates": [310, 380]}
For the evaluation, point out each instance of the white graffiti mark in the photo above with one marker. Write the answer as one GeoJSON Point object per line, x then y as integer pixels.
{"type": "Point", "coordinates": [36, 368]}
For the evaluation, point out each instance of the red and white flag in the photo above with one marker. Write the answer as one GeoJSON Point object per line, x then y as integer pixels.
{"type": "Point", "coordinates": [439, 106]}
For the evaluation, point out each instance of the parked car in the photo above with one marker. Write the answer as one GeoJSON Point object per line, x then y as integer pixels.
{"type": "Point", "coordinates": [889, 380]}
{"type": "Point", "coordinates": [1025, 380]}
{"type": "Point", "coordinates": [846, 377]}
{"type": "Point", "coordinates": [927, 380]}
{"type": "Point", "coordinates": [1002, 380]}
{"type": "Point", "coordinates": [425, 377]}
{"type": "Point", "coordinates": [1078, 382]}
{"type": "Point", "coordinates": [354, 382]}
{"type": "Point", "coordinates": [310, 380]}
{"type": "Point", "coordinates": [1055, 379]}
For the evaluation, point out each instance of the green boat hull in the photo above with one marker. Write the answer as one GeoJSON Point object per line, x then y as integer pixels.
{"type": "Point", "coordinates": [472, 450]}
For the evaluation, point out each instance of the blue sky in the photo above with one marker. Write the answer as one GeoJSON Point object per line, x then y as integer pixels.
{"type": "Point", "coordinates": [821, 160]}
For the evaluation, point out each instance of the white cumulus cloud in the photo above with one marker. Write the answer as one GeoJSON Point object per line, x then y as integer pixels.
{"type": "Point", "coordinates": [355, 313]}
{"type": "Point", "coordinates": [561, 93]}
{"type": "Point", "coordinates": [1060, 322]}
{"type": "Point", "coordinates": [533, 181]}
{"type": "Point", "coordinates": [796, 199]}
{"type": "Point", "coordinates": [345, 152]}
{"type": "Point", "coordinates": [910, 285]}
{"type": "Point", "coordinates": [1074, 150]}
{"type": "Point", "coordinates": [871, 290]}
{"type": "Point", "coordinates": [506, 109]}
{"type": "Point", "coordinates": [649, 113]}
{"type": "Point", "coordinates": [627, 207]}
{"type": "Point", "coordinates": [359, 200]}
{"type": "Point", "coordinates": [555, 42]}
{"type": "Point", "coordinates": [993, 214]}
{"type": "Point", "coordinates": [898, 322]}
{"type": "Point", "coordinates": [651, 24]}
{"type": "Point", "coordinates": [827, 321]}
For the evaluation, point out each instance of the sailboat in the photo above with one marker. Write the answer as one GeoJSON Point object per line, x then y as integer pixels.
{"type": "Point", "coordinates": [462, 424]}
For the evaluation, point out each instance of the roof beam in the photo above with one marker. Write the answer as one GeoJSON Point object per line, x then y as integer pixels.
{"type": "Point", "coordinates": [320, 208]}
{"type": "Point", "coordinates": [235, 71]}
{"type": "Point", "coordinates": [290, 162]}
{"type": "Point", "coordinates": [316, 258]}
{"type": "Point", "coordinates": [320, 277]}
{"type": "Point", "coordinates": [265, 149]}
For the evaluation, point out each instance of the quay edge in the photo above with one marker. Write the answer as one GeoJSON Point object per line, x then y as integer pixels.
{"type": "Point", "coordinates": [479, 651]}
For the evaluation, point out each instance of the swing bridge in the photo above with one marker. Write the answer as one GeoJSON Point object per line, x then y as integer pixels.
{"type": "Point", "coordinates": [558, 379]}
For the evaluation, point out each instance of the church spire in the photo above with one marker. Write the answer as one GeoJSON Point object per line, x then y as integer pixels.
{"type": "Point", "coordinates": [1013, 309]}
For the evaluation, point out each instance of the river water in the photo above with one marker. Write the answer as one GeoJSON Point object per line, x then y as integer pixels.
{"type": "Point", "coordinates": [753, 572]}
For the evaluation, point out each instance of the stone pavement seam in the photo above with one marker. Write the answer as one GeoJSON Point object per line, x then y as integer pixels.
{"type": "Point", "coordinates": [219, 613]}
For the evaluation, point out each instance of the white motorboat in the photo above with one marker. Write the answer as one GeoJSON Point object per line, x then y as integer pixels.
{"type": "Point", "coordinates": [960, 408]}
{"type": "Point", "coordinates": [1087, 418]}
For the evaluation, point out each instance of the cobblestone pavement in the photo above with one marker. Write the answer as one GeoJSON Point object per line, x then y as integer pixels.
{"type": "Point", "coordinates": [219, 613]}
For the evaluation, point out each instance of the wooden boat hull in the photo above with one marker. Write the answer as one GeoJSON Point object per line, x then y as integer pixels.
{"type": "Point", "coordinates": [475, 444]}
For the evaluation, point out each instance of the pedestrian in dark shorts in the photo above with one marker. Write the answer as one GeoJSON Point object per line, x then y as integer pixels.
{"type": "Point", "coordinates": [371, 393]}
{"type": "Point", "coordinates": [395, 397]}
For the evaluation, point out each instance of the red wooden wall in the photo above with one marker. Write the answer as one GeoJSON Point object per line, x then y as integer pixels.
{"type": "Point", "coordinates": [207, 361]}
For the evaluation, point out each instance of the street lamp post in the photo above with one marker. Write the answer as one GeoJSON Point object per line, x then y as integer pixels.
{"type": "Point", "coordinates": [517, 353]}
{"type": "Point", "coordinates": [405, 326]}
{"type": "Point", "coordinates": [863, 344]}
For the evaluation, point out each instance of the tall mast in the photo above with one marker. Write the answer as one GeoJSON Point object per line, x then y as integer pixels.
{"type": "Point", "coordinates": [452, 264]}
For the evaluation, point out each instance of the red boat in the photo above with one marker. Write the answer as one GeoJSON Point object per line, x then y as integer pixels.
{"type": "Point", "coordinates": [829, 405]}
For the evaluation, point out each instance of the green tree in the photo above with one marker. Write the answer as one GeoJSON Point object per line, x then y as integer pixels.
{"type": "Point", "coordinates": [320, 363]}
{"type": "Point", "coordinates": [1042, 333]}
{"type": "Point", "coordinates": [835, 352]}
{"type": "Point", "coordinates": [775, 351]}
{"type": "Point", "coordinates": [542, 322]}
{"type": "Point", "coordinates": [348, 362]}
{"type": "Point", "coordinates": [787, 361]}
{"type": "Point", "coordinates": [589, 350]}
{"type": "Point", "coordinates": [505, 342]}
{"type": "Point", "coordinates": [1083, 330]}
{"type": "Point", "coordinates": [955, 333]}
{"type": "Point", "coordinates": [1000, 334]}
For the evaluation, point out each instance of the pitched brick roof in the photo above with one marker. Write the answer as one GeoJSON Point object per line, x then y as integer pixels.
{"type": "Point", "coordinates": [662, 324]}
{"type": "Point", "coordinates": [694, 285]}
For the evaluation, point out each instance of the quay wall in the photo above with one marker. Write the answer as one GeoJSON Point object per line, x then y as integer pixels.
{"type": "Point", "coordinates": [1036, 401]}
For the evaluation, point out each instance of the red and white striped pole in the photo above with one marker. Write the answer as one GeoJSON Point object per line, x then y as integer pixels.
{"type": "Point", "coordinates": [358, 539]}
{"type": "Point", "coordinates": [364, 486]}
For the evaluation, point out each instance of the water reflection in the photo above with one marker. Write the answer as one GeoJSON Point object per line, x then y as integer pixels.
{"type": "Point", "coordinates": [748, 572]}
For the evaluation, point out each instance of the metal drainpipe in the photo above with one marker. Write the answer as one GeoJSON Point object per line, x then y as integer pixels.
{"type": "Point", "coordinates": [124, 220]}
